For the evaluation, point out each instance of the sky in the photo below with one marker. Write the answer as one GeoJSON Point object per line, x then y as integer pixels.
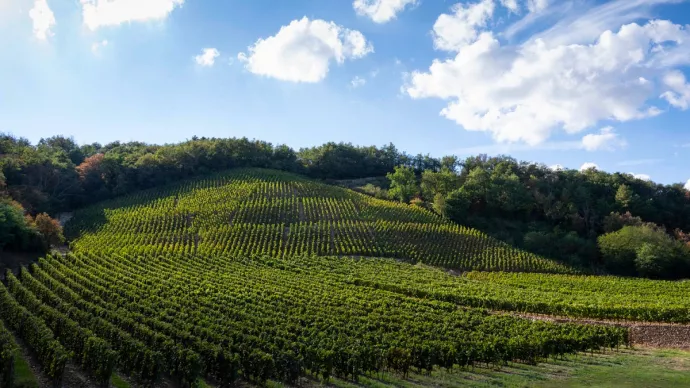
{"type": "Point", "coordinates": [566, 83]}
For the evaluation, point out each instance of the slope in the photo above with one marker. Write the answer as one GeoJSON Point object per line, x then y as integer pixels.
{"type": "Point", "coordinates": [256, 211]}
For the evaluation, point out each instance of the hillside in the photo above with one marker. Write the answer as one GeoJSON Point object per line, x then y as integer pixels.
{"type": "Point", "coordinates": [258, 211]}
{"type": "Point", "coordinates": [254, 275]}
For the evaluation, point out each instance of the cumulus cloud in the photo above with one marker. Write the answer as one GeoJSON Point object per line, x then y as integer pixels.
{"type": "Point", "coordinates": [606, 140]}
{"type": "Point", "coordinates": [557, 167]}
{"type": "Point", "coordinates": [303, 50]}
{"type": "Point", "coordinates": [357, 81]}
{"type": "Point", "coordinates": [679, 93]}
{"type": "Point", "coordinates": [454, 31]}
{"type": "Point", "coordinates": [687, 185]}
{"type": "Point", "coordinates": [381, 11]}
{"type": "Point", "coordinates": [526, 92]}
{"type": "Point", "coordinates": [643, 177]}
{"type": "Point", "coordinates": [207, 57]}
{"type": "Point", "coordinates": [100, 13]}
{"type": "Point", "coordinates": [588, 166]}
{"type": "Point", "coordinates": [43, 19]}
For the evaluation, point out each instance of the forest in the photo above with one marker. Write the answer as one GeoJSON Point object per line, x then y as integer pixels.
{"type": "Point", "coordinates": [603, 221]}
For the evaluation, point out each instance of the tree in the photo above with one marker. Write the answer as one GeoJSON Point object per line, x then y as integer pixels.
{"type": "Point", "coordinates": [457, 205]}
{"type": "Point", "coordinates": [644, 250]}
{"type": "Point", "coordinates": [49, 230]}
{"type": "Point", "coordinates": [624, 196]}
{"type": "Point", "coordinates": [436, 186]}
{"type": "Point", "coordinates": [616, 221]}
{"type": "Point", "coordinates": [403, 183]}
{"type": "Point", "coordinates": [15, 232]}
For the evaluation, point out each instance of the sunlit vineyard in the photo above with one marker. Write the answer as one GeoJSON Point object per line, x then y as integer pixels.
{"type": "Point", "coordinates": [256, 275]}
{"type": "Point", "coordinates": [264, 212]}
{"type": "Point", "coordinates": [601, 297]}
{"type": "Point", "coordinates": [263, 318]}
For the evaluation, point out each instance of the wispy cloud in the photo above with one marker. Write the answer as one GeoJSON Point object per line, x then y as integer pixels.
{"type": "Point", "coordinates": [504, 148]}
{"type": "Point", "coordinates": [639, 162]}
{"type": "Point", "coordinates": [584, 27]}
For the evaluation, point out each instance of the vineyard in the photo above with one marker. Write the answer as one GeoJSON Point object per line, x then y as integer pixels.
{"type": "Point", "coordinates": [258, 275]}
{"type": "Point", "coordinates": [598, 297]}
{"type": "Point", "coordinates": [266, 212]}
{"type": "Point", "coordinates": [262, 318]}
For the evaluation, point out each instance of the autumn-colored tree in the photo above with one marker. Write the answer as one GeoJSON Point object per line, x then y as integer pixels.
{"type": "Point", "coordinates": [90, 166]}
{"type": "Point", "coordinates": [49, 229]}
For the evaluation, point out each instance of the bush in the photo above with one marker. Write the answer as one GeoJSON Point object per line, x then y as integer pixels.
{"type": "Point", "coordinates": [16, 231]}
{"type": "Point", "coordinates": [644, 251]}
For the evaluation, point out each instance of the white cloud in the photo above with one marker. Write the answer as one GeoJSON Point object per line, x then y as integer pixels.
{"type": "Point", "coordinates": [381, 11]}
{"type": "Point", "coordinates": [512, 5]}
{"type": "Point", "coordinates": [687, 185]}
{"type": "Point", "coordinates": [43, 19]}
{"type": "Point", "coordinates": [303, 50]}
{"type": "Point", "coordinates": [524, 93]}
{"type": "Point", "coordinates": [207, 57]}
{"type": "Point", "coordinates": [537, 5]}
{"type": "Point", "coordinates": [100, 13]}
{"type": "Point", "coordinates": [357, 81]}
{"type": "Point", "coordinates": [606, 140]}
{"type": "Point", "coordinates": [588, 166]}
{"type": "Point", "coordinates": [679, 95]}
{"type": "Point", "coordinates": [454, 31]}
{"type": "Point", "coordinates": [96, 47]}
{"type": "Point", "coordinates": [557, 167]}
{"type": "Point", "coordinates": [577, 26]}
{"type": "Point", "coordinates": [643, 177]}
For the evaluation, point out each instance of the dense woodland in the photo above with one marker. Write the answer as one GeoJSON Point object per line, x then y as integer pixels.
{"type": "Point", "coordinates": [591, 219]}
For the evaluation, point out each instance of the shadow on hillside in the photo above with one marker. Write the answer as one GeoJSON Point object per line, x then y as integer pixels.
{"type": "Point", "coordinates": [566, 248]}
{"type": "Point", "coordinates": [91, 221]}
{"type": "Point", "coordinates": [15, 260]}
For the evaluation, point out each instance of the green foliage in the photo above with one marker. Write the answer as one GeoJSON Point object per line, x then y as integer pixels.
{"type": "Point", "coordinates": [36, 334]}
{"type": "Point", "coordinates": [92, 352]}
{"type": "Point", "coordinates": [624, 196]}
{"type": "Point", "coordinates": [254, 211]}
{"type": "Point", "coordinates": [15, 232]}
{"type": "Point", "coordinates": [616, 221]}
{"type": "Point", "coordinates": [403, 184]}
{"type": "Point", "coordinates": [7, 354]}
{"type": "Point", "coordinates": [644, 250]}
{"type": "Point", "coordinates": [279, 319]}
{"type": "Point", "coordinates": [375, 191]}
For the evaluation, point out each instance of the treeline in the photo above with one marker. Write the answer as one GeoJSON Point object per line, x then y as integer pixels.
{"type": "Point", "coordinates": [589, 218]}
{"type": "Point", "coordinates": [58, 175]}
{"type": "Point", "coordinates": [555, 213]}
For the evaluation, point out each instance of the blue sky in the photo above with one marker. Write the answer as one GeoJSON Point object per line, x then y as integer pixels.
{"type": "Point", "coordinates": [556, 82]}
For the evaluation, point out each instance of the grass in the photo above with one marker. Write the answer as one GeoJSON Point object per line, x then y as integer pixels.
{"type": "Point", "coordinates": [641, 368]}
{"type": "Point", "coordinates": [24, 377]}
{"type": "Point", "coordinates": [661, 368]}
{"type": "Point", "coordinates": [117, 382]}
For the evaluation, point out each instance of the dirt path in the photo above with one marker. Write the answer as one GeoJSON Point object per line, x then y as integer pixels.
{"type": "Point", "coordinates": [651, 334]}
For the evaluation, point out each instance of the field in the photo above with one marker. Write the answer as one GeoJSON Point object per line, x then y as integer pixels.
{"type": "Point", "coordinates": [265, 212]}
{"type": "Point", "coordinates": [266, 277]}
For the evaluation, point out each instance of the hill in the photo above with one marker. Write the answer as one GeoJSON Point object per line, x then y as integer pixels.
{"type": "Point", "coordinates": [259, 211]}
{"type": "Point", "coordinates": [254, 275]}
